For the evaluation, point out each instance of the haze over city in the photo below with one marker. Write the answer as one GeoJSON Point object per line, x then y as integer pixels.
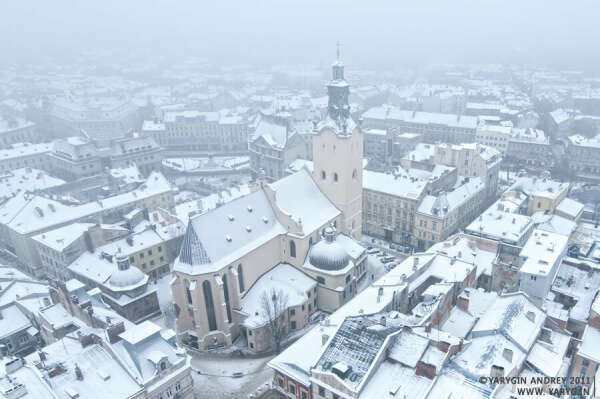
{"type": "Point", "coordinates": [299, 199]}
{"type": "Point", "coordinates": [381, 34]}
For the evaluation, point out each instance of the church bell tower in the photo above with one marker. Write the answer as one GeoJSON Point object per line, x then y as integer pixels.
{"type": "Point", "coordinates": [338, 153]}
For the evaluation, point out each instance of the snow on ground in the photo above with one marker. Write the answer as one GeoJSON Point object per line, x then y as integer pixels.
{"type": "Point", "coordinates": [216, 379]}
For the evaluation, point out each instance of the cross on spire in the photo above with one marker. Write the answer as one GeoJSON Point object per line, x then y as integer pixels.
{"type": "Point", "coordinates": [338, 45]}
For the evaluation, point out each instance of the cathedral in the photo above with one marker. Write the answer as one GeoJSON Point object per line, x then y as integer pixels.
{"type": "Point", "coordinates": [297, 235]}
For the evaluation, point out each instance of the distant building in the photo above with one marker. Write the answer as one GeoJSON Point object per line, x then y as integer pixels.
{"type": "Point", "coordinates": [17, 130]}
{"type": "Point", "coordinates": [140, 151]}
{"type": "Point", "coordinates": [530, 148]}
{"type": "Point", "coordinates": [377, 148]}
{"type": "Point", "coordinates": [23, 155]}
{"type": "Point", "coordinates": [583, 157]}
{"type": "Point", "coordinates": [432, 126]}
{"type": "Point", "coordinates": [439, 216]}
{"type": "Point", "coordinates": [274, 145]}
{"type": "Point", "coordinates": [495, 136]}
{"type": "Point", "coordinates": [103, 119]}
{"type": "Point", "coordinates": [75, 157]}
{"type": "Point", "coordinates": [182, 132]}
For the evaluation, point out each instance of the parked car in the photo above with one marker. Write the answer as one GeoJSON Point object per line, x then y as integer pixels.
{"type": "Point", "coordinates": [388, 259]}
{"type": "Point", "coordinates": [372, 251]}
{"type": "Point", "coordinates": [382, 254]}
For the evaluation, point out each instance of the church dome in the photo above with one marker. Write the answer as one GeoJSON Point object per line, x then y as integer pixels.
{"type": "Point", "coordinates": [329, 254]}
{"type": "Point", "coordinates": [126, 276]}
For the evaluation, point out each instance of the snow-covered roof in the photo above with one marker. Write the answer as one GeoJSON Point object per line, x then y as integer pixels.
{"type": "Point", "coordinates": [570, 207]}
{"type": "Point", "coordinates": [589, 347]}
{"type": "Point", "coordinates": [141, 346]}
{"type": "Point", "coordinates": [217, 238]}
{"type": "Point", "coordinates": [37, 213]}
{"type": "Point", "coordinates": [548, 355]}
{"type": "Point", "coordinates": [456, 384]}
{"type": "Point", "coordinates": [25, 149]}
{"type": "Point", "coordinates": [57, 316]}
{"type": "Point", "coordinates": [541, 252]}
{"type": "Point", "coordinates": [103, 376]}
{"type": "Point", "coordinates": [298, 196]}
{"type": "Point", "coordinates": [26, 180]}
{"type": "Point", "coordinates": [100, 268]}
{"type": "Point", "coordinates": [529, 135]}
{"type": "Point", "coordinates": [579, 284]}
{"type": "Point", "coordinates": [422, 152]}
{"type": "Point", "coordinates": [389, 113]}
{"type": "Point", "coordinates": [500, 225]}
{"type": "Point", "coordinates": [582, 141]}
{"type": "Point", "coordinates": [60, 238]}
{"type": "Point", "coordinates": [12, 321]}
{"type": "Point", "coordinates": [540, 187]}
{"type": "Point", "coordinates": [275, 134]}
{"type": "Point", "coordinates": [399, 185]}
{"type": "Point", "coordinates": [513, 315]}
{"type": "Point", "coordinates": [459, 322]}
{"type": "Point", "coordinates": [393, 380]}
{"type": "Point", "coordinates": [554, 223]}
{"type": "Point", "coordinates": [441, 205]}
{"type": "Point", "coordinates": [408, 348]}
{"type": "Point", "coordinates": [293, 283]}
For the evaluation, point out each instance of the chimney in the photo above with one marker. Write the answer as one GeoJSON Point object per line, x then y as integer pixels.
{"type": "Point", "coordinates": [415, 263]}
{"type": "Point", "coordinates": [382, 321]}
{"type": "Point", "coordinates": [428, 328]}
{"type": "Point", "coordinates": [507, 354]}
{"type": "Point", "coordinates": [78, 373]}
{"type": "Point", "coordinates": [42, 355]}
{"type": "Point", "coordinates": [85, 340]}
{"type": "Point", "coordinates": [113, 332]}
{"type": "Point", "coordinates": [530, 316]}
{"type": "Point", "coordinates": [463, 302]}
{"type": "Point", "coordinates": [324, 339]}
{"type": "Point", "coordinates": [460, 345]}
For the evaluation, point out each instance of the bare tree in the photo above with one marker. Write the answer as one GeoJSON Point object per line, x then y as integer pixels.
{"type": "Point", "coordinates": [273, 305]}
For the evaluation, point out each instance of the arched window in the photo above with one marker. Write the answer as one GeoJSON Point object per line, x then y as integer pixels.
{"type": "Point", "coordinates": [310, 241]}
{"type": "Point", "coordinates": [188, 292]}
{"type": "Point", "coordinates": [323, 175]}
{"type": "Point", "coordinates": [240, 277]}
{"type": "Point", "coordinates": [292, 249]}
{"type": "Point", "coordinates": [163, 366]}
{"type": "Point", "coordinates": [335, 177]}
{"type": "Point", "coordinates": [226, 292]}
{"type": "Point", "coordinates": [210, 306]}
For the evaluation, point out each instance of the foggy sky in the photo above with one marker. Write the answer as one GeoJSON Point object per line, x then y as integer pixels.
{"type": "Point", "coordinates": [562, 34]}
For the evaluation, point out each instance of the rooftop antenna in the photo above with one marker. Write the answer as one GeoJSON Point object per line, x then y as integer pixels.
{"type": "Point", "coordinates": [338, 45]}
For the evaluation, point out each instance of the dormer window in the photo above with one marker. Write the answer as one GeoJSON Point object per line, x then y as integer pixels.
{"type": "Point", "coordinates": [163, 366]}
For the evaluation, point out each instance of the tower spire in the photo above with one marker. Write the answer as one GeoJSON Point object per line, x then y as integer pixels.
{"type": "Point", "coordinates": [338, 92]}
